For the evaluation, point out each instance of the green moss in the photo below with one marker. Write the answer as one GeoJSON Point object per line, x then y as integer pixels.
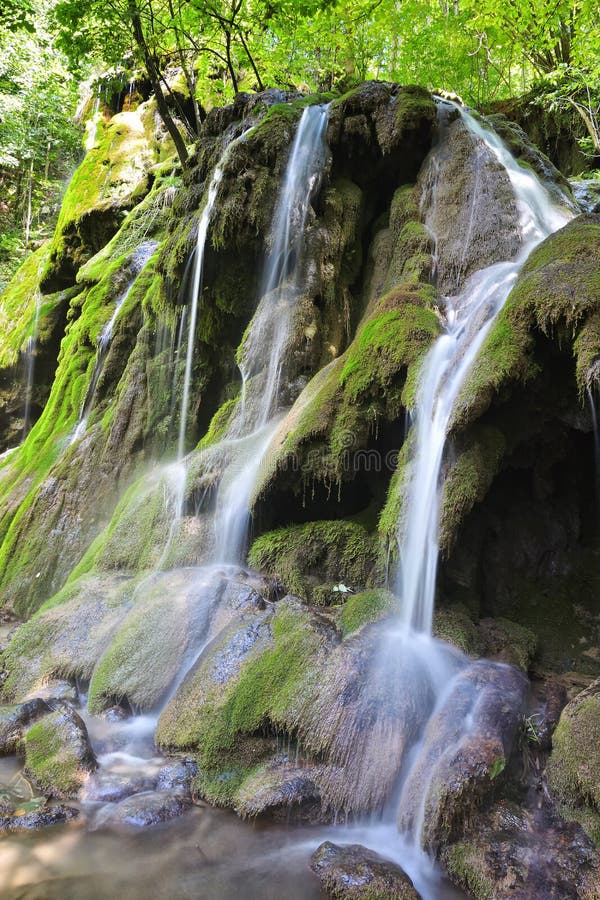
{"type": "Point", "coordinates": [264, 688]}
{"type": "Point", "coordinates": [67, 635]}
{"type": "Point", "coordinates": [364, 607]}
{"type": "Point", "coordinates": [54, 756]}
{"type": "Point", "coordinates": [219, 423]}
{"type": "Point", "coordinates": [18, 307]}
{"type": "Point", "coordinates": [303, 555]}
{"type": "Point", "coordinates": [150, 644]}
{"type": "Point", "coordinates": [463, 863]}
{"type": "Point", "coordinates": [574, 766]}
{"type": "Point", "coordinates": [455, 626]}
{"type": "Point", "coordinates": [557, 294]}
{"type": "Point", "coordinates": [372, 382]}
{"type": "Point", "coordinates": [468, 480]}
{"type": "Point", "coordinates": [105, 180]}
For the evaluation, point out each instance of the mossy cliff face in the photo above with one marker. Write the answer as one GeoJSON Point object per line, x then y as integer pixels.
{"type": "Point", "coordinates": [521, 457]}
{"type": "Point", "coordinates": [289, 705]}
{"type": "Point", "coordinates": [337, 287]}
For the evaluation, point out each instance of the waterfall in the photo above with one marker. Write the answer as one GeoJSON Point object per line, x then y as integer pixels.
{"type": "Point", "coordinates": [282, 283]}
{"type": "Point", "coordinates": [137, 262]}
{"type": "Point", "coordinates": [469, 316]}
{"type": "Point", "coordinates": [30, 364]}
{"type": "Point", "coordinates": [195, 290]}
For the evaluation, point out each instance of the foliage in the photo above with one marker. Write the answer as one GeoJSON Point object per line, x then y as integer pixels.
{"type": "Point", "coordinates": [39, 142]}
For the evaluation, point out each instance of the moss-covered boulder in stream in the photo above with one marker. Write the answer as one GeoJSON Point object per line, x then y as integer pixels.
{"type": "Point", "coordinates": [58, 754]}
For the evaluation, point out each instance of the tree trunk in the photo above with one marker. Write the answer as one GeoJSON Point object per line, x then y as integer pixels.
{"type": "Point", "coordinates": [154, 77]}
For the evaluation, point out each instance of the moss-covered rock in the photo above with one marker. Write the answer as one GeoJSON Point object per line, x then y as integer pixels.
{"type": "Point", "coordinates": [454, 625]}
{"type": "Point", "coordinates": [466, 746]}
{"type": "Point", "coordinates": [304, 556]}
{"type": "Point", "coordinates": [172, 619]}
{"type": "Point", "coordinates": [557, 294]}
{"type": "Point", "coordinates": [102, 190]}
{"type": "Point", "coordinates": [67, 636]}
{"type": "Point", "coordinates": [355, 872]}
{"type": "Point", "coordinates": [511, 852]}
{"type": "Point", "coordinates": [58, 754]}
{"type": "Point", "coordinates": [507, 642]}
{"type": "Point", "coordinates": [365, 606]}
{"type": "Point", "coordinates": [574, 766]}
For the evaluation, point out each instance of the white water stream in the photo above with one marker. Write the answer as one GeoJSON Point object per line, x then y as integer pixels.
{"type": "Point", "coordinates": [253, 426]}
{"type": "Point", "coordinates": [469, 316]}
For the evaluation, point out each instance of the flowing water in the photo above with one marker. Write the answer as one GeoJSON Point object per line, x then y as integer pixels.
{"type": "Point", "coordinates": [137, 261]}
{"type": "Point", "coordinates": [210, 848]}
{"type": "Point", "coordinates": [30, 365]}
{"type": "Point", "coordinates": [263, 352]}
{"type": "Point", "coordinates": [469, 316]}
{"type": "Point", "coordinates": [448, 676]}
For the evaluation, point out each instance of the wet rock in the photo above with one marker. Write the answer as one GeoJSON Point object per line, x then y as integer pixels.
{"type": "Point", "coordinates": [14, 719]}
{"type": "Point", "coordinates": [466, 747]}
{"type": "Point", "coordinates": [178, 777]}
{"type": "Point", "coordinates": [354, 871]}
{"type": "Point", "coordinates": [58, 689]}
{"type": "Point", "coordinates": [508, 642]}
{"type": "Point", "coordinates": [374, 693]}
{"type": "Point", "coordinates": [58, 754]}
{"type": "Point", "coordinates": [282, 792]}
{"type": "Point", "coordinates": [40, 818]}
{"type": "Point", "coordinates": [381, 125]}
{"type": "Point", "coordinates": [172, 619]}
{"type": "Point", "coordinates": [512, 853]}
{"type": "Point", "coordinates": [546, 721]}
{"type": "Point", "coordinates": [69, 637]}
{"type": "Point", "coordinates": [471, 207]}
{"type": "Point", "coordinates": [115, 714]}
{"type": "Point", "coordinates": [110, 787]}
{"type": "Point", "coordinates": [587, 194]}
{"type": "Point", "coordinates": [144, 810]}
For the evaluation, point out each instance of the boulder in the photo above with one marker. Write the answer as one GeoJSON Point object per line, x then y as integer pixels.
{"type": "Point", "coordinates": [15, 719]}
{"type": "Point", "coordinates": [282, 792]}
{"type": "Point", "coordinates": [573, 770]}
{"type": "Point", "coordinates": [466, 747]}
{"type": "Point", "coordinates": [37, 819]}
{"type": "Point", "coordinates": [353, 871]}
{"type": "Point", "coordinates": [144, 810]}
{"type": "Point", "coordinates": [110, 787]}
{"type": "Point", "coordinates": [513, 854]}
{"type": "Point", "coordinates": [58, 754]}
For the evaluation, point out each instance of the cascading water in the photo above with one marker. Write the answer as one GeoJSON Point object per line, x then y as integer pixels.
{"type": "Point", "coordinates": [451, 697]}
{"type": "Point", "coordinates": [469, 316]}
{"type": "Point", "coordinates": [253, 427]}
{"type": "Point", "coordinates": [137, 262]}
{"type": "Point", "coordinates": [30, 365]}
{"type": "Point", "coordinates": [195, 291]}
{"type": "Point", "coordinates": [240, 452]}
